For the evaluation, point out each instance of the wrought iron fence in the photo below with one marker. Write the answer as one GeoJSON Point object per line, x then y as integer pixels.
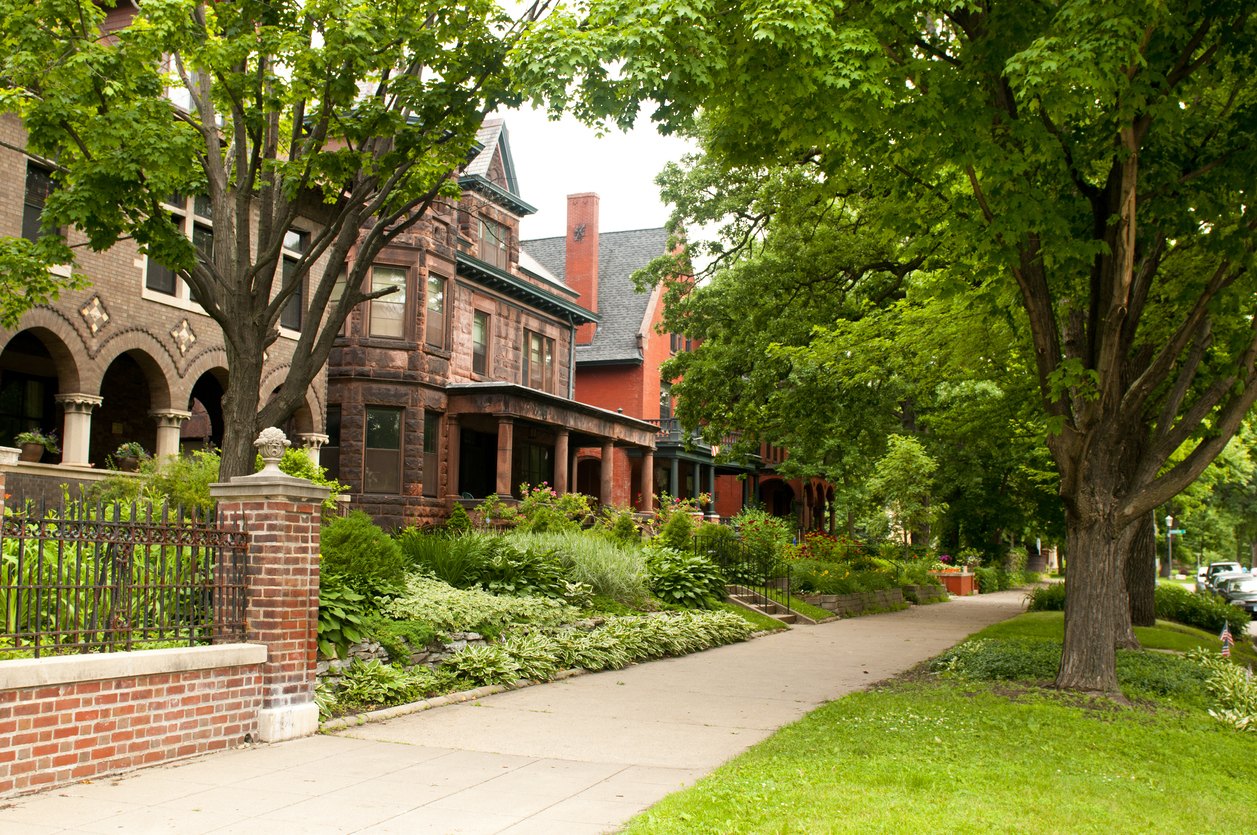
{"type": "Point", "coordinates": [99, 577]}
{"type": "Point", "coordinates": [756, 569]}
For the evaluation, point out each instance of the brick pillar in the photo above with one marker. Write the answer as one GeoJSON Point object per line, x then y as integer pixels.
{"type": "Point", "coordinates": [453, 441]}
{"type": "Point", "coordinates": [281, 515]}
{"type": "Point", "coordinates": [608, 473]}
{"type": "Point", "coordinates": [648, 480]}
{"type": "Point", "coordinates": [506, 455]}
{"type": "Point", "coordinates": [560, 461]}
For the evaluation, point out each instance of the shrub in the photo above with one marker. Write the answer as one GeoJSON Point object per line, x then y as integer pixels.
{"type": "Point", "coordinates": [458, 561]}
{"type": "Point", "coordinates": [459, 521]}
{"type": "Point", "coordinates": [400, 637]}
{"type": "Point", "coordinates": [365, 557]}
{"type": "Point", "coordinates": [483, 665]}
{"type": "Point", "coordinates": [342, 617]}
{"type": "Point", "coordinates": [677, 531]}
{"type": "Point", "coordinates": [1173, 602]}
{"type": "Point", "coordinates": [764, 534]}
{"type": "Point", "coordinates": [521, 572]}
{"type": "Point", "coordinates": [1232, 688]}
{"type": "Point", "coordinates": [1050, 598]}
{"type": "Point", "coordinates": [610, 568]}
{"type": "Point", "coordinates": [459, 610]}
{"type": "Point", "coordinates": [296, 463]}
{"type": "Point", "coordinates": [542, 509]}
{"type": "Point", "coordinates": [838, 578]}
{"type": "Point", "coordinates": [689, 580]}
{"type": "Point", "coordinates": [373, 683]}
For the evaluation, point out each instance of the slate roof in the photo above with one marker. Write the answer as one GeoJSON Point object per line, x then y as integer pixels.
{"type": "Point", "coordinates": [621, 308]}
{"type": "Point", "coordinates": [491, 133]}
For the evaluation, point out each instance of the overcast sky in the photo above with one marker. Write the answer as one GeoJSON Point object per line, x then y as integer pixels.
{"type": "Point", "coordinates": [555, 159]}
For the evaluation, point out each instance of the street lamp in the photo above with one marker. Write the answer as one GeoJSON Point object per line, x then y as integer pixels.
{"type": "Point", "coordinates": [1169, 542]}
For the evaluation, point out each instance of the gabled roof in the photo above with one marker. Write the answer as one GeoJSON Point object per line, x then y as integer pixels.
{"type": "Point", "coordinates": [492, 139]}
{"type": "Point", "coordinates": [620, 307]}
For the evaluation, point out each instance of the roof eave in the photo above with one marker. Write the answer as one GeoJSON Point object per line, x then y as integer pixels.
{"type": "Point", "coordinates": [502, 281]}
{"type": "Point", "coordinates": [495, 194]}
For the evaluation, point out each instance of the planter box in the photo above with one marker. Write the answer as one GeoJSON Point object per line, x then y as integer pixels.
{"type": "Point", "coordinates": [959, 583]}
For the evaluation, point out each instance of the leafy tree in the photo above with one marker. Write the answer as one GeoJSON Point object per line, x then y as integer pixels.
{"type": "Point", "coordinates": [1095, 162]}
{"type": "Point", "coordinates": [902, 480]}
{"type": "Point", "coordinates": [354, 115]}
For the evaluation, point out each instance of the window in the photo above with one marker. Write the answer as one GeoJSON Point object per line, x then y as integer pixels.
{"type": "Point", "coordinates": [295, 243]}
{"type": "Point", "coordinates": [493, 241]}
{"type": "Point", "coordinates": [536, 464]}
{"type": "Point", "coordinates": [329, 456]}
{"type": "Point", "coordinates": [338, 290]}
{"type": "Point", "coordinates": [538, 362]}
{"type": "Point", "coordinates": [194, 218]}
{"type": "Point", "coordinates": [382, 463]}
{"type": "Point", "coordinates": [39, 186]}
{"type": "Point", "coordinates": [434, 334]}
{"type": "Point", "coordinates": [665, 401]}
{"type": "Point", "coordinates": [388, 313]}
{"type": "Point", "coordinates": [431, 456]}
{"type": "Point", "coordinates": [480, 342]}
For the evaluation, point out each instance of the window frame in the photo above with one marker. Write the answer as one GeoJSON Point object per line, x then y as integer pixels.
{"type": "Point", "coordinates": [187, 215]}
{"type": "Point", "coordinates": [290, 254]}
{"type": "Point", "coordinates": [495, 250]}
{"type": "Point", "coordinates": [33, 167]}
{"type": "Point", "coordinates": [372, 315]}
{"type": "Point", "coordinates": [549, 362]}
{"type": "Point", "coordinates": [441, 320]}
{"type": "Point", "coordinates": [370, 482]}
{"type": "Point", "coordinates": [483, 355]}
{"type": "Point", "coordinates": [432, 453]}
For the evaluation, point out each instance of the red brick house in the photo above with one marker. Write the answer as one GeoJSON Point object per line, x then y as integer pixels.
{"type": "Point", "coordinates": [460, 384]}
{"type": "Point", "coordinates": [617, 368]}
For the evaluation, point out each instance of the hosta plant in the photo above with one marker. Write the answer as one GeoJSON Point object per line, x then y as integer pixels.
{"type": "Point", "coordinates": [483, 665]}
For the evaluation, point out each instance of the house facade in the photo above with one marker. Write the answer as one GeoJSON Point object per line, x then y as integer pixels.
{"type": "Point", "coordinates": [460, 385]}
{"type": "Point", "coordinates": [129, 358]}
{"type": "Point", "coordinates": [617, 368]}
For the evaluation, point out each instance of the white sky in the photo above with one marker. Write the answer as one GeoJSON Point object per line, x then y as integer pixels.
{"type": "Point", "coordinates": [555, 159]}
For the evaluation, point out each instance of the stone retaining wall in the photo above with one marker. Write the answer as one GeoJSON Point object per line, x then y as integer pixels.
{"type": "Point", "coordinates": [854, 604]}
{"type": "Point", "coordinates": [926, 594]}
{"type": "Point", "coordinates": [429, 656]}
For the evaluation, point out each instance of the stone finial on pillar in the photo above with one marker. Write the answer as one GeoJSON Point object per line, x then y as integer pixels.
{"type": "Point", "coordinates": [169, 422]}
{"type": "Point", "coordinates": [312, 443]}
{"type": "Point", "coordinates": [77, 434]}
{"type": "Point", "coordinates": [281, 515]}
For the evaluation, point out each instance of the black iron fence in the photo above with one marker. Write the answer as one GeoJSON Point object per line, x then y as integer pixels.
{"type": "Point", "coordinates": [111, 577]}
{"type": "Point", "coordinates": [755, 569]}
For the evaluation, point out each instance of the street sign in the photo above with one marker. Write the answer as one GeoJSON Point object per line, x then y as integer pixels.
{"type": "Point", "coordinates": [1178, 530]}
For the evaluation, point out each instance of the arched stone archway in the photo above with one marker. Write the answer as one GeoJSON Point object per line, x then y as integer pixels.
{"type": "Point", "coordinates": [133, 391]}
{"type": "Point", "coordinates": [776, 497]}
{"type": "Point", "coordinates": [35, 367]}
{"type": "Point", "coordinates": [204, 428]}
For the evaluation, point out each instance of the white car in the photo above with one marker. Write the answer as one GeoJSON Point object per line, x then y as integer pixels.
{"type": "Point", "coordinates": [1204, 579]}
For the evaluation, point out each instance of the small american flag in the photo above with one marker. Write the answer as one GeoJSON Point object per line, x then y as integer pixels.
{"type": "Point", "coordinates": [1227, 641]}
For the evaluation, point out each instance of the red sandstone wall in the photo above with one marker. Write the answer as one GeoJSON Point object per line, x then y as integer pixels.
{"type": "Point", "coordinates": [51, 735]}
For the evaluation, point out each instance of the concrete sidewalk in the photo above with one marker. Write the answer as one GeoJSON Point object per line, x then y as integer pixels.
{"type": "Point", "coordinates": [575, 757]}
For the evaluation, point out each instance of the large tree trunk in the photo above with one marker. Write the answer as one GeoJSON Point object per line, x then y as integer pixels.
{"type": "Point", "coordinates": [240, 412]}
{"type": "Point", "coordinates": [1096, 597]}
{"type": "Point", "coordinates": [1141, 573]}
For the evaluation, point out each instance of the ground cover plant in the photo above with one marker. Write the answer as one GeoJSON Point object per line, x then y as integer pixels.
{"type": "Point", "coordinates": [1172, 602]}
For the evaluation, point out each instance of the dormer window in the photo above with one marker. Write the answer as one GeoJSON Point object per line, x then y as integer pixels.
{"type": "Point", "coordinates": [493, 241]}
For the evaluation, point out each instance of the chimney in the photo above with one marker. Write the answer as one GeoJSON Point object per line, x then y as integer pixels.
{"type": "Point", "coordinates": [580, 269]}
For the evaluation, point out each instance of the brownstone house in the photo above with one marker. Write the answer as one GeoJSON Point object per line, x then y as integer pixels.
{"type": "Point", "coordinates": [617, 368]}
{"type": "Point", "coordinates": [129, 358]}
{"type": "Point", "coordinates": [460, 384]}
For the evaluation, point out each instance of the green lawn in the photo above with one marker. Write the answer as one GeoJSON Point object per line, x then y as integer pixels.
{"type": "Point", "coordinates": [935, 755]}
{"type": "Point", "coordinates": [757, 619]}
{"type": "Point", "coordinates": [1165, 635]}
{"type": "Point", "coordinates": [938, 757]}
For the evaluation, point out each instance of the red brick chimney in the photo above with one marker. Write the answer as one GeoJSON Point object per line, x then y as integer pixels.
{"type": "Point", "coordinates": [580, 269]}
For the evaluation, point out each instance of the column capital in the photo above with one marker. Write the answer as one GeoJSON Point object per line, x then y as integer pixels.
{"type": "Point", "coordinates": [78, 401]}
{"type": "Point", "coordinates": [170, 417]}
{"type": "Point", "coordinates": [313, 440]}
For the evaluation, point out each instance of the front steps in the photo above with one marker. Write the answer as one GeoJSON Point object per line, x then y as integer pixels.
{"type": "Point", "coordinates": [756, 602]}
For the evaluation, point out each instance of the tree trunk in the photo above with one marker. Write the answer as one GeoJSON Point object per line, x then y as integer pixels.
{"type": "Point", "coordinates": [240, 413]}
{"type": "Point", "coordinates": [1141, 573]}
{"type": "Point", "coordinates": [1096, 596]}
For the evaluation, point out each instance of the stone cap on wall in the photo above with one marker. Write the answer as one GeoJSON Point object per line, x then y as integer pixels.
{"type": "Point", "coordinates": [262, 486]}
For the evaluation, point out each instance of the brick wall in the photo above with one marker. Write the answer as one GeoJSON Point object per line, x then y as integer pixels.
{"type": "Point", "coordinates": [75, 730]}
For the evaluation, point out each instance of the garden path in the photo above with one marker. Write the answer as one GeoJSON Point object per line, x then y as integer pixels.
{"type": "Point", "coordinates": [575, 757]}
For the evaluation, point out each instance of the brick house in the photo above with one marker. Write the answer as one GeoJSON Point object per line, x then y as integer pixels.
{"type": "Point", "coordinates": [617, 368]}
{"type": "Point", "coordinates": [129, 358]}
{"type": "Point", "coordinates": [460, 385]}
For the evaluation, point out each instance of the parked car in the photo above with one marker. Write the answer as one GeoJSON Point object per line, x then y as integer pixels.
{"type": "Point", "coordinates": [1217, 581]}
{"type": "Point", "coordinates": [1240, 591]}
{"type": "Point", "coordinates": [1204, 579]}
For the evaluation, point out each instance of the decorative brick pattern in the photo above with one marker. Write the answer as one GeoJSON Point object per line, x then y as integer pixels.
{"type": "Point", "coordinates": [51, 735]}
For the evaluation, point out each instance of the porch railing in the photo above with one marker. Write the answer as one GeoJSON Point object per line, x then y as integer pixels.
{"type": "Point", "coordinates": [755, 569]}
{"type": "Point", "coordinates": [112, 577]}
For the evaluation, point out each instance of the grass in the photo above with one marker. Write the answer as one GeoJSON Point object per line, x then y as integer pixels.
{"type": "Point", "coordinates": [1165, 635]}
{"type": "Point", "coordinates": [612, 569]}
{"type": "Point", "coordinates": [759, 620]}
{"type": "Point", "coordinates": [801, 606]}
{"type": "Point", "coordinates": [945, 757]}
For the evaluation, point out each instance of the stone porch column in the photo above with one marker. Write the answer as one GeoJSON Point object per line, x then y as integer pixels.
{"type": "Point", "coordinates": [281, 515]}
{"type": "Point", "coordinates": [453, 447]}
{"type": "Point", "coordinates": [506, 454]}
{"type": "Point", "coordinates": [169, 422]}
{"type": "Point", "coordinates": [560, 461]}
{"type": "Point", "coordinates": [608, 473]}
{"type": "Point", "coordinates": [648, 480]}
{"type": "Point", "coordinates": [746, 492]}
{"type": "Point", "coordinates": [711, 489]}
{"type": "Point", "coordinates": [674, 478]}
{"type": "Point", "coordinates": [312, 443]}
{"type": "Point", "coordinates": [76, 436]}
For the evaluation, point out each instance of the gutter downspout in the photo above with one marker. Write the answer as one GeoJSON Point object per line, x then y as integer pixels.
{"type": "Point", "coordinates": [571, 358]}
